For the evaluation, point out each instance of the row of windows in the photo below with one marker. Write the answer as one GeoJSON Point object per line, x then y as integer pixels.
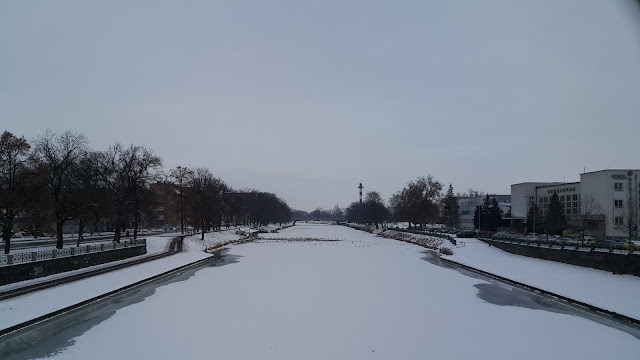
{"type": "Point", "coordinates": [569, 197]}
{"type": "Point", "coordinates": [563, 198]}
{"type": "Point", "coordinates": [618, 186]}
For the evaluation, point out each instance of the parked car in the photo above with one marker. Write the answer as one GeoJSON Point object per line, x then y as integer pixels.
{"type": "Point", "coordinates": [466, 234]}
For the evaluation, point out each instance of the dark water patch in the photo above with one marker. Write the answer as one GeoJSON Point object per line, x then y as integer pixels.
{"type": "Point", "coordinates": [54, 336]}
{"type": "Point", "coordinates": [510, 296]}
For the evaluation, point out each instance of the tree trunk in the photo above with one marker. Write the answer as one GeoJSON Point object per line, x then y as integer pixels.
{"type": "Point", "coordinates": [6, 236]}
{"type": "Point", "coordinates": [136, 219]}
{"type": "Point", "coordinates": [136, 213]}
{"type": "Point", "coordinates": [116, 235]}
{"type": "Point", "coordinates": [59, 242]}
{"type": "Point", "coordinates": [7, 229]}
{"type": "Point", "coordinates": [80, 230]}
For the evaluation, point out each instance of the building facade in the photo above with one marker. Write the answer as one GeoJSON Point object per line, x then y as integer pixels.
{"type": "Point", "coordinates": [611, 198]}
{"type": "Point", "coordinates": [467, 208]}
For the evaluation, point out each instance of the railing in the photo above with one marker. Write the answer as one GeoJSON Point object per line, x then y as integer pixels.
{"type": "Point", "coordinates": [559, 245]}
{"type": "Point", "coordinates": [25, 257]}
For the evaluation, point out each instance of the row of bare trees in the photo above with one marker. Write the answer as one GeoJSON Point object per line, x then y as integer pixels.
{"type": "Point", "coordinates": [418, 203]}
{"type": "Point", "coordinates": [58, 179]}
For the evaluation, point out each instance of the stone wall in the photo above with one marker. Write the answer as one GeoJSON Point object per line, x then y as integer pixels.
{"type": "Point", "coordinates": [614, 262]}
{"type": "Point", "coordinates": [31, 270]}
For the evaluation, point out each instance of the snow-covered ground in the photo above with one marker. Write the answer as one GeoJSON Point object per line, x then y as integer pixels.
{"type": "Point", "coordinates": [23, 308]}
{"type": "Point", "coordinates": [155, 245]}
{"type": "Point", "coordinates": [619, 293]}
{"type": "Point", "coordinates": [363, 297]}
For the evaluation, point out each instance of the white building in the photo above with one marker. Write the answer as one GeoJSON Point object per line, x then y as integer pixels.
{"type": "Point", "coordinates": [467, 208]}
{"type": "Point", "coordinates": [613, 195]}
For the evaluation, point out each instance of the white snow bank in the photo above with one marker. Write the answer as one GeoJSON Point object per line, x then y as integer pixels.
{"type": "Point", "coordinates": [619, 293]}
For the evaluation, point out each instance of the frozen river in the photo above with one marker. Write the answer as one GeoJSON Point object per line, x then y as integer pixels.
{"type": "Point", "coordinates": [363, 297]}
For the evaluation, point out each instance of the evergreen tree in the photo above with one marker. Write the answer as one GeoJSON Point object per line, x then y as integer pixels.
{"type": "Point", "coordinates": [494, 215]}
{"type": "Point", "coordinates": [480, 215]}
{"type": "Point", "coordinates": [450, 208]}
{"type": "Point", "coordinates": [555, 222]}
{"type": "Point", "coordinates": [488, 216]}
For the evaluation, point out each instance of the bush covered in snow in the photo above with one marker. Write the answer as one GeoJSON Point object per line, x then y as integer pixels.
{"type": "Point", "coordinates": [426, 241]}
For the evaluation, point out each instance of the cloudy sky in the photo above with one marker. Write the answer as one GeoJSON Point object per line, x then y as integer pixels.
{"type": "Point", "coordinates": [308, 98]}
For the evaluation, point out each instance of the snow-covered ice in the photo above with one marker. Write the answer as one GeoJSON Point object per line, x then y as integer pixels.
{"type": "Point", "coordinates": [619, 293]}
{"type": "Point", "coordinates": [364, 297]}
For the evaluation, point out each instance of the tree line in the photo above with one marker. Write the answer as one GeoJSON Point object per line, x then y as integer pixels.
{"type": "Point", "coordinates": [58, 178]}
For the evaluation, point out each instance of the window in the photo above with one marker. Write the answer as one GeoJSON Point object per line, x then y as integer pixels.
{"type": "Point", "coordinates": [562, 198]}
{"type": "Point", "coordinates": [575, 197]}
{"type": "Point", "coordinates": [618, 220]}
{"type": "Point", "coordinates": [617, 203]}
{"type": "Point", "coordinates": [575, 204]}
{"type": "Point", "coordinates": [617, 186]}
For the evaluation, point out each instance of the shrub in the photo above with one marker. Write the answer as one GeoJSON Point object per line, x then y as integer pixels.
{"type": "Point", "coordinates": [446, 251]}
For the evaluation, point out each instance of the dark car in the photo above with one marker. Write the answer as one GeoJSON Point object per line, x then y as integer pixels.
{"type": "Point", "coordinates": [466, 234]}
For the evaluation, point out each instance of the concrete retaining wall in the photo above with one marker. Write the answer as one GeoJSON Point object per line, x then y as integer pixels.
{"type": "Point", "coordinates": [616, 263]}
{"type": "Point", "coordinates": [31, 270]}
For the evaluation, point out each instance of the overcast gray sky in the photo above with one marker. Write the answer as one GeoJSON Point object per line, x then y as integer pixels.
{"type": "Point", "coordinates": [308, 98]}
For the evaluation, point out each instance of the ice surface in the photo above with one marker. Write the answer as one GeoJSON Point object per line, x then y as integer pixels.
{"type": "Point", "coordinates": [364, 297]}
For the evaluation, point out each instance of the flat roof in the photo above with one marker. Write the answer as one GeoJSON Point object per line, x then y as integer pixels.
{"type": "Point", "coordinates": [539, 182]}
{"type": "Point", "coordinates": [591, 172]}
{"type": "Point", "coordinates": [571, 183]}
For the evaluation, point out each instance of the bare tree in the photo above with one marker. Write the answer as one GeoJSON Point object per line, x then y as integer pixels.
{"type": "Point", "coordinates": [59, 153]}
{"type": "Point", "coordinates": [471, 193]}
{"type": "Point", "coordinates": [337, 212]}
{"type": "Point", "coordinates": [591, 214]}
{"type": "Point", "coordinates": [625, 220]}
{"type": "Point", "coordinates": [123, 171]}
{"type": "Point", "coordinates": [416, 203]}
{"type": "Point", "coordinates": [180, 177]}
{"type": "Point", "coordinates": [375, 209]}
{"type": "Point", "coordinates": [13, 160]}
{"type": "Point", "coordinates": [206, 205]}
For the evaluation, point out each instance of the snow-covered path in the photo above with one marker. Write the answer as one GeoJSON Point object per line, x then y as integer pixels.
{"type": "Point", "coordinates": [23, 308]}
{"type": "Point", "coordinates": [364, 297]}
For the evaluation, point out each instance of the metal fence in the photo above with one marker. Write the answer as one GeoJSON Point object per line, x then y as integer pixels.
{"type": "Point", "coordinates": [25, 257]}
{"type": "Point", "coordinates": [560, 245]}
